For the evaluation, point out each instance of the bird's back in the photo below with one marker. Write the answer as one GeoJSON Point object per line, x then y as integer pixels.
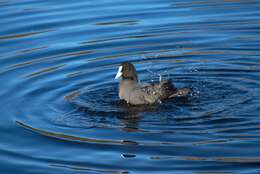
{"type": "Point", "coordinates": [137, 93]}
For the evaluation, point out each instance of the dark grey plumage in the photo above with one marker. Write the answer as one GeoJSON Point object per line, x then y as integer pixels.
{"type": "Point", "coordinates": [136, 93]}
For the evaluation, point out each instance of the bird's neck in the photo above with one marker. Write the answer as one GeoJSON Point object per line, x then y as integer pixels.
{"type": "Point", "coordinates": [130, 78]}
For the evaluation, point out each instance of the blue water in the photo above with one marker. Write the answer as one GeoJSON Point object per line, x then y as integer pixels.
{"type": "Point", "coordinates": [60, 111]}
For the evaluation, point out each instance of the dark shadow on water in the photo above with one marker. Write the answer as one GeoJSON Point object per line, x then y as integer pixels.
{"type": "Point", "coordinates": [207, 100]}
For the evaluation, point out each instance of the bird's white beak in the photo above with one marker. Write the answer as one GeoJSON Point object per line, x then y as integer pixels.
{"type": "Point", "coordinates": [119, 72]}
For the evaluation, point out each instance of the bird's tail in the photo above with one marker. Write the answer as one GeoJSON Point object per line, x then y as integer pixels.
{"type": "Point", "coordinates": [183, 92]}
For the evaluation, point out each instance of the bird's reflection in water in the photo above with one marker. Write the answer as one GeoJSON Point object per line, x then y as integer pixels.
{"type": "Point", "coordinates": [130, 115]}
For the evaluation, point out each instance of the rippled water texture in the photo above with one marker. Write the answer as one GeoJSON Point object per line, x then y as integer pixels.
{"type": "Point", "coordinates": [60, 112]}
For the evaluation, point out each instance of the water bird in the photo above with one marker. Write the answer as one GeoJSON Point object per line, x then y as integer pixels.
{"type": "Point", "coordinates": [137, 93]}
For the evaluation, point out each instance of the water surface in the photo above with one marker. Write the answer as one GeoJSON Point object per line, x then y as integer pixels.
{"type": "Point", "coordinates": [60, 112]}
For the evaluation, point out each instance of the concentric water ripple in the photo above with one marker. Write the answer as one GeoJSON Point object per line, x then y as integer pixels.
{"type": "Point", "coordinates": [60, 107]}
